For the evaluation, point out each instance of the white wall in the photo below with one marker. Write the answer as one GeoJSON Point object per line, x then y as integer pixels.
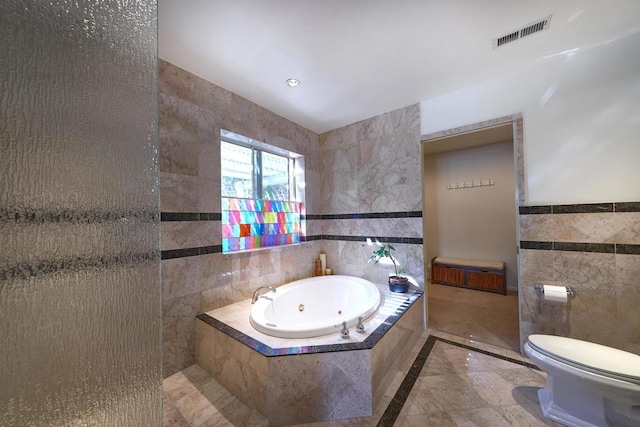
{"type": "Point", "coordinates": [581, 112]}
{"type": "Point", "coordinates": [472, 223]}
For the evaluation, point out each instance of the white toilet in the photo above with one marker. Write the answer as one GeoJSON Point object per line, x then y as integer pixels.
{"type": "Point", "coordinates": [587, 384]}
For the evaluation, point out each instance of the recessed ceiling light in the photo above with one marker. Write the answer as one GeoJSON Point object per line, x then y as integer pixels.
{"type": "Point", "coordinates": [293, 82]}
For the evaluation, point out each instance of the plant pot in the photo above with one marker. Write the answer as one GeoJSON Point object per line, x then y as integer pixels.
{"type": "Point", "coordinates": [398, 284]}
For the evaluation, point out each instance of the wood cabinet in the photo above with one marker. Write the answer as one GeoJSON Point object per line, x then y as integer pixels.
{"type": "Point", "coordinates": [481, 275]}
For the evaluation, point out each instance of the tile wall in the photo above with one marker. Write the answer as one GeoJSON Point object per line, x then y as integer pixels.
{"type": "Point", "coordinates": [363, 180]}
{"type": "Point", "coordinates": [197, 277]}
{"type": "Point", "coordinates": [594, 248]}
{"type": "Point", "coordinates": [372, 188]}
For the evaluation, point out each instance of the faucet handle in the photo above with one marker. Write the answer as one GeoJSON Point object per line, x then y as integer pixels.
{"type": "Point", "coordinates": [360, 326]}
{"type": "Point", "coordinates": [345, 332]}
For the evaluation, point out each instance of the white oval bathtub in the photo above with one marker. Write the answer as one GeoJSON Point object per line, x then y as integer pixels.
{"type": "Point", "coordinates": [314, 306]}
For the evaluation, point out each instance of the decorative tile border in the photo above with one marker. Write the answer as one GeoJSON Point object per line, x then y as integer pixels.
{"type": "Point", "coordinates": [267, 351]}
{"type": "Point", "coordinates": [580, 208]}
{"type": "Point", "coordinates": [409, 240]}
{"type": "Point", "coordinates": [190, 216]}
{"type": "Point", "coordinates": [588, 208]}
{"type": "Point", "coordinates": [182, 253]}
{"type": "Point", "coordinates": [195, 216]}
{"type": "Point", "coordinates": [627, 207]}
{"type": "Point", "coordinates": [628, 249]}
{"type": "Point", "coordinates": [394, 408]}
{"type": "Point", "coordinates": [217, 216]}
{"type": "Point", "coordinates": [603, 248]}
{"type": "Point", "coordinates": [374, 215]}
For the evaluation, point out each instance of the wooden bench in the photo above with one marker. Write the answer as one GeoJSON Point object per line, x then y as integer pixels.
{"type": "Point", "coordinates": [471, 274]}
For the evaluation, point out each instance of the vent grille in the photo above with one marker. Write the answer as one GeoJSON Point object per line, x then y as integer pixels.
{"type": "Point", "coordinates": [534, 27]}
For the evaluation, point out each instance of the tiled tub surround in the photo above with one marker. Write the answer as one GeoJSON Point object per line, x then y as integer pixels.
{"type": "Point", "coordinates": [293, 381]}
{"type": "Point", "coordinates": [196, 276]}
{"type": "Point", "coordinates": [595, 248]}
{"type": "Point", "coordinates": [370, 166]}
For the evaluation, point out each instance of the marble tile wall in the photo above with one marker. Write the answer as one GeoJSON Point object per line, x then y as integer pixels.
{"type": "Point", "coordinates": [373, 167]}
{"type": "Point", "coordinates": [596, 250]}
{"type": "Point", "coordinates": [196, 276]}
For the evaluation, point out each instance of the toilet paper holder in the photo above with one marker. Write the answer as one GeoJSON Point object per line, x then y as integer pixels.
{"type": "Point", "coordinates": [540, 288]}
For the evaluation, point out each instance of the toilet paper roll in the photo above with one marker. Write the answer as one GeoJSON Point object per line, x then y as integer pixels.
{"type": "Point", "coordinates": [555, 293]}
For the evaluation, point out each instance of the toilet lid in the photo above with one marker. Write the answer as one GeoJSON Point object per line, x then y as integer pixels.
{"type": "Point", "coordinates": [589, 355]}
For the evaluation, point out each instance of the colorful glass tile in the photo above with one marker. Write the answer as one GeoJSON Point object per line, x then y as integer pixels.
{"type": "Point", "coordinates": [250, 224]}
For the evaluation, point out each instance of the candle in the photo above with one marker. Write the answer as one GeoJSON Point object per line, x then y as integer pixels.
{"type": "Point", "coordinates": [323, 260]}
{"type": "Point", "coordinates": [327, 271]}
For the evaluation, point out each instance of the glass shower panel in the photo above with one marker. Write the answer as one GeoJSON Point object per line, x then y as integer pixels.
{"type": "Point", "coordinates": [80, 308]}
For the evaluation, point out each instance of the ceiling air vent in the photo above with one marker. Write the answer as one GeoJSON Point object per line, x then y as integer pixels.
{"type": "Point", "coordinates": [534, 27]}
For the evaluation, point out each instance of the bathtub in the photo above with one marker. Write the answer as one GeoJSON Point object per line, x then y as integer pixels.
{"type": "Point", "coordinates": [315, 306]}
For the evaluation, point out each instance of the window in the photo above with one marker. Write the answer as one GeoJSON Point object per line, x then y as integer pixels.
{"type": "Point", "coordinates": [262, 194]}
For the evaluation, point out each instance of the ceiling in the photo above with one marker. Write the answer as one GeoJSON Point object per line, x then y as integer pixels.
{"type": "Point", "coordinates": [360, 58]}
{"type": "Point", "coordinates": [460, 141]}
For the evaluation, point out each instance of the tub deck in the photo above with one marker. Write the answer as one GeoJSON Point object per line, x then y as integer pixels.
{"type": "Point", "coordinates": [331, 378]}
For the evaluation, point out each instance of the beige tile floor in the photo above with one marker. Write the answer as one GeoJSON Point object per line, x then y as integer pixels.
{"type": "Point", "coordinates": [482, 316]}
{"type": "Point", "coordinates": [457, 386]}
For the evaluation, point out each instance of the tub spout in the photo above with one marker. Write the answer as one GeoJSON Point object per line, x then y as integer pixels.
{"type": "Point", "coordinates": [255, 294]}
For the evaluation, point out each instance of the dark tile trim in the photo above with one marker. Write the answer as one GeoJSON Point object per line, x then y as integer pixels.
{"type": "Point", "coordinates": [409, 240]}
{"type": "Point", "coordinates": [541, 246]}
{"type": "Point", "coordinates": [390, 415]}
{"type": "Point", "coordinates": [627, 207]}
{"type": "Point", "coordinates": [182, 253]}
{"type": "Point", "coordinates": [394, 408]}
{"type": "Point", "coordinates": [190, 216]}
{"type": "Point", "coordinates": [267, 351]}
{"type": "Point", "coordinates": [371, 215]}
{"type": "Point", "coordinates": [628, 249]}
{"type": "Point", "coordinates": [535, 210]}
{"type": "Point", "coordinates": [203, 250]}
{"type": "Point", "coordinates": [488, 353]}
{"type": "Point", "coordinates": [217, 216]}
{"type": "Point", "coordinates": [604, 248]}
{"type": "Point", "coordinates": [581, 208]}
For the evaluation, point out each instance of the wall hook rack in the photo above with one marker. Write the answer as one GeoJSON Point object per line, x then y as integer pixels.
{"type": "Point", "coordinates": [470, 184]}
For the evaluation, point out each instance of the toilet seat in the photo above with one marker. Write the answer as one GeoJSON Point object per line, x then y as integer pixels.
{"type": "Point", "coordinates": [590, 357]}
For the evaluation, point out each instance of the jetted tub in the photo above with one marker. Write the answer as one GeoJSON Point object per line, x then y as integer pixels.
{"type": "Point", "coordinates": [315, 306]}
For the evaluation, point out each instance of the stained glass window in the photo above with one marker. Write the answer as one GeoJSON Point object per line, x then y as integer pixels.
{"type": "Point", "coordinates": [261, 200]}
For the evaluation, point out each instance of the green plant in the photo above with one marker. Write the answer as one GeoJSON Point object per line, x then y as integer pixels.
{"type": "Point", "coordinates": [385, 251]}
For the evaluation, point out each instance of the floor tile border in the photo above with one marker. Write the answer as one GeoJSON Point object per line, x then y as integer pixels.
{"type": "Point", "coordinates": [394, 408]}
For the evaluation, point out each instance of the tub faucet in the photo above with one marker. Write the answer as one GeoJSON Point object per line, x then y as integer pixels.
{"type": "Point", "coordinates": [255, 294]}
{"type": "Point", "coordinates": [360, 326]}
{"type": "Point", "coordinates": [344, 333]}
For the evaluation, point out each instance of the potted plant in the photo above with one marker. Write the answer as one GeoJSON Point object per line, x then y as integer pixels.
{"type": "Point", "coordinates": [397, 283]}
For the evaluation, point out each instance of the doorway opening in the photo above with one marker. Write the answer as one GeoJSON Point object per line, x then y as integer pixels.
{"type": "Point", "coordinates": [472, 187]}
